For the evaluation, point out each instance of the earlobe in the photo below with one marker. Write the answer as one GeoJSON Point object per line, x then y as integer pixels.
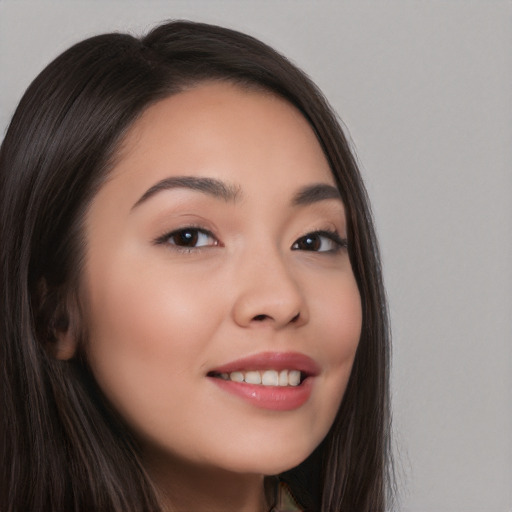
{"type": "Point", "coordinates": [57, 320]}
{"type": "Point", "coordinates": [65, 329]}
{"type": "Point", "coordinates": [65, 344]}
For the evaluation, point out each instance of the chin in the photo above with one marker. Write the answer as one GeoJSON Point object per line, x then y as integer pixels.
{"type": "Point", "coordinates": [269, 462]}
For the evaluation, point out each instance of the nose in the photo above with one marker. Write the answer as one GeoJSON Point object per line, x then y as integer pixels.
{"type": "Point", "coordinates": [268, 293]}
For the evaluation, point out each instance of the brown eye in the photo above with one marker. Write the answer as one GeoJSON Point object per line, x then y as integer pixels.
{"type": "Point", "coordinates": [308, 243]}
{"type": "Point", "coordinates": [320, 241]}
{"type": "Point", "coordinates": [190, 238]}
{"type": "Point", "coordinates": [185, 238]}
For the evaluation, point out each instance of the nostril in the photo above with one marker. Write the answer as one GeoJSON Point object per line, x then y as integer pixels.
{"type": "Point", "coordinates": [262, 318]}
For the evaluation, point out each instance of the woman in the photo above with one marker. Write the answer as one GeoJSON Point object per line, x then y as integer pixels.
{"type": "Point", "coordinates": [193, 315]}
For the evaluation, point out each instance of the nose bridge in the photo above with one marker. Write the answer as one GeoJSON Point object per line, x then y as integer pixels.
{"type": "Point", "coordinates": [267, 290]}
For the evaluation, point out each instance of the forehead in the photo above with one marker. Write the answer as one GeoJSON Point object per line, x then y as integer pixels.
{"type": "Point", "coordinates": [216, 125]}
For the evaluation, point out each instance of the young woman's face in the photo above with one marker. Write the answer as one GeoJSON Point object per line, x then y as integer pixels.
{"type": "Point", "coordinates": [216, 253]}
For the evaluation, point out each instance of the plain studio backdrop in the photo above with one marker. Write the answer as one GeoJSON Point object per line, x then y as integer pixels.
{"type": "Point", "coordinates": [425, 90]}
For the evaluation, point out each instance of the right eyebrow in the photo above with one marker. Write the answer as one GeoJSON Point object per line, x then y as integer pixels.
{"type": "Point", "coordinates": [315, 193]}
{"type": "Point", "coordinates": [210, 186]}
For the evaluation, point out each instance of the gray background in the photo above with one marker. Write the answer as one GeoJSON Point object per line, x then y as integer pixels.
{"type": "Point", "coordinates": [425, 90]}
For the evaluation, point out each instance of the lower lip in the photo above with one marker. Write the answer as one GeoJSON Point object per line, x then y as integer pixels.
{"type": "Point", "coordinates": [275, 398]}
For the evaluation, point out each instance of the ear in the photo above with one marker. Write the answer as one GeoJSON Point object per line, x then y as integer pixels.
{"type": "Point", "coordinates": [65, 345]}
{"type": "Point", "coordinates": [57, 318]}
{"type": "Point", "coordinates": [65, 329]}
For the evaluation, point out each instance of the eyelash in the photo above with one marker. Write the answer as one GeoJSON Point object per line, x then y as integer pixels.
{"type": "Point", "coordinates": [193, 233]}
{"type": "Point", "coordinates": [190, 230]}
{"type": "Point", "coordinates": [332, 236]}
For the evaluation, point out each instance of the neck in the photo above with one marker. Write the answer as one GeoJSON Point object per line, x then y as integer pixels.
{"type": "Point", "coordinates": [183, 487]}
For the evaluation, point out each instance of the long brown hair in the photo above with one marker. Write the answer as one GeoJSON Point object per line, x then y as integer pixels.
{"type": "Point", "coordinates": [62, 446]}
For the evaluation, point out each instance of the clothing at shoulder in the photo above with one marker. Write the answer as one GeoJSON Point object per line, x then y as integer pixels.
{"type": "Point", "coordinates": [284, 500]}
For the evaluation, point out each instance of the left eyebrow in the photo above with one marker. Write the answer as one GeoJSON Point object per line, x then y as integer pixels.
{"type": "Point", "coordinates": [209, 186]}
{"type": "Point", "coordinates": [315, 193]}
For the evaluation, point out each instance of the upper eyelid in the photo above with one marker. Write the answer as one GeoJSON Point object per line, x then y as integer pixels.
{"type": "Point", "coordinates": [165, 236]}
{"type": "Point", "coordinates": [332, 234]}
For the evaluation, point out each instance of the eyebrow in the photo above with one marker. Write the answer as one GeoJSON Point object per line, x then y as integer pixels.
{"type": "Point", "coordinates": [307, 195]}
{"type": "Point", "coordinates": [208, 186]}
{"type": "Point", "coordinates": [315, 193]}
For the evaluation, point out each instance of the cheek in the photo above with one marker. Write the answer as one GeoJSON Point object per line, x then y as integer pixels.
{"type": "Point", "coordinates": [146, 330]}
{"type": "Point", "coordinates": [339, 322]}
{"type": "Point", "coordinates": [339, 314]}
{"type": "Point", "coordinates": [147, 306]}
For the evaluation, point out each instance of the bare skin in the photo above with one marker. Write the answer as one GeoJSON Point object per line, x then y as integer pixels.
{"type": "Point", "coordinates": [220, 237]}
{"type": "Point", "coordinates": [215, 490]}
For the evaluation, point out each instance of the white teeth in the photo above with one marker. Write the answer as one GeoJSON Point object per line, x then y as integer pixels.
{"type": "Point", "coordinates": [237, 376]}
{"type": "Point", "coordinates": [294, 378]}
{"type": "Point", "coordinates": [253, 378]}
{"type": "Point", "coordinates": [265, 378]}
{"type": "Point", "coordinates": [270, 378]}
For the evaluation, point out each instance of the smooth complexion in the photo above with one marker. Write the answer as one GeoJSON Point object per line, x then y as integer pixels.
{"type": "Point", "coordinates": [219, 237]}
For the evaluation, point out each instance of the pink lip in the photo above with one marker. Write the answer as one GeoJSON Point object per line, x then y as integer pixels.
{"type": "Point", "coordinates": [272, 361]}
{"type": "Point", "coordinates": [277, 398]}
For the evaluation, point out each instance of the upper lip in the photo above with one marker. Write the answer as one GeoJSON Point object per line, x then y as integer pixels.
{"type": "Point", "coordinates": [272, 361]}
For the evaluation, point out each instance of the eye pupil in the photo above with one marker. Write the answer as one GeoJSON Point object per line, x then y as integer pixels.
{"type": "Point", "coordinates": [309, 243]}
{"type": "Point", "coordinates": [186, 237]}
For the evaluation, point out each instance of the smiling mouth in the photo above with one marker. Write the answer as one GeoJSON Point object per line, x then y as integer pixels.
{"type": "Point", "coordinates": [276, 381]}
{"type": "Point", "coordinates": [279, 378]}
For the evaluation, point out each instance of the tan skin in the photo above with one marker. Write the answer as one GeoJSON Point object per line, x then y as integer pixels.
{"type": "Point", "coordinates": [179, 281]}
